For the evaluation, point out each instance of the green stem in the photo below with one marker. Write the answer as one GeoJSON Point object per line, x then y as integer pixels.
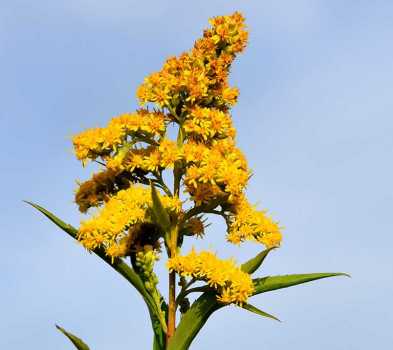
{"type": "Point", "coordinates": [159, 181]}
{"type": "Point", "coordinates": [204, 208]}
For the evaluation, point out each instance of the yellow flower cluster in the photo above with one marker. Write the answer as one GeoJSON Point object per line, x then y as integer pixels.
{"type": "Point", "coordinates": [200, 76]}
{"type": "Point", "coordinates": [149, 159]}
{"type": "Point", "coordinates": [249, 224]}
{"type": "Point", "coordinates": [118, 249]}
{"type": "Point", "coordinates": [99, 188]}
{"type": "Point", "coordinates": [102, 142]}
{"type": "Point", "coordinates": [207, 123]}
{"type": "Point", "coordinates": [214, 171]}
{"type": "Point", "coordinates": [194, 88]}
{"type": "Point", "coordinates": [127, 208]}
{"type": "Point", "coordinates": [232, 284]}
{"type": "Point", "coordinates": [192, 92]}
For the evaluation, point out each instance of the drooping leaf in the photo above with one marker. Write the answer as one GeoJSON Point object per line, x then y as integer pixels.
{"type": "Point", "coordinates": [253, 264]}
{"type": "Point", "coordinates": [119, 265]}
{"type": "Point", "coordinates": [259, 312]}
{"type": "Point", "coordinates": [79, 344]}
{"type": "Point", "coordinates": [269, 283]}
{"type": "Point", "coordinates": [160, 214]}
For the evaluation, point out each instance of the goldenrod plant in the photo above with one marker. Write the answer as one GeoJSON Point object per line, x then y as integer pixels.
{"type": "Point", "coordinates": [153, 192]}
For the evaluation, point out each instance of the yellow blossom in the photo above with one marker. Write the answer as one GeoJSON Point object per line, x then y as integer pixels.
{"type": "Point", "coordinates": [220, 164]}
{"type": "Point", "coordinates": [102, 142]}
{"type": "Point", "coordinates": [199, 76]}
{"type": "Point", "coordinates": [152, 161]}
{"type": "Point", "coordinates": [169, 153]}
{"type": "Point", "coordinates": [231, 284]}
{"type": "Point", "coordinates": [98, 189]}
{"type": "Point", "coordinates": [194, 152]}
{"type": "Point", "coordinates": [208, 123]}
{"type": "Point", "coordinates": [118, 250]}
{"type": "Point", "coordinates": [191, 92]}
{"type": "Point", "coordinates": [95, 142]}
{"type": "Point", "coordinates": [247, 223]}
{"type": "Point", "coordinates": [128, 207]}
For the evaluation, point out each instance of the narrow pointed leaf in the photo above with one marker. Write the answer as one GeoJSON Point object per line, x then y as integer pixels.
{"type": "Point", "coordinates": [72, 231]}
{"type": "Point", "coordinates": [159, 212]}
{"type": "Point", "coordinates": [269, 283]}
{"type": "Point", "coordinates": [79, 344]}
{"type": "Point", "coordinates": [259, 312]}
{"type": "Point", "coordinates": [193, 320]}
{"type": "Point", "coordinates": [118, 264]}
{"type": "Point", "coordinates": [253, 264]}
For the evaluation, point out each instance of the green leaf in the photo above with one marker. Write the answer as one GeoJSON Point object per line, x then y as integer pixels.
{"type": "Point", "coordinates": [159, 342]}
{"type": "Point", "coordinates": [259, 312]}
{"type": "Point", "coordinates": [266, 284]}
{"type": "Point", "coordinates": [79, 344]}
{"type": "Point", "coordinates": [193, 320]}
{"type": "Point", "coordinates": [253, 264]}
{"type": "Point", "coordinates": [160, 214]}
{"type": "Point", "coordinates": [72, 231]}
{"type": "Point", "coordinates": [119, 265]}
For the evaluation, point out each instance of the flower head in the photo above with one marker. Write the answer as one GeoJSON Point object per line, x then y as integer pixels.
{"type": "Point", "coordinates": [231, 284]}
{"type": "Point", "coordinates": [190, 93]}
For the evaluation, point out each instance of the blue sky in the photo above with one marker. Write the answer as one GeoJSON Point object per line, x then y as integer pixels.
{"type": "Point", "coordinates": [314, 118]}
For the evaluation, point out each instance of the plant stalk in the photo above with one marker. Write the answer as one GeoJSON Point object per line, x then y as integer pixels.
{"type": "Point", "coordinates": [172, 305]}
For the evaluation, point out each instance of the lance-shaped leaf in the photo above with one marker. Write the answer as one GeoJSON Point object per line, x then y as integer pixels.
{"type": "Point", "coordinates": [253, 264]}
{"type": "Point", "coordinates": [79, 344]}
{"type": "Point", "coordinates": [194, 319]}
{"type": "Point", "coordinates": [269, 283]}
{"type": "Point", "coordinates": [160, 214]}
{"type": "Point", "coordinates": [119, 265]}
{"type": "Point", "coordinates": [259, 312]}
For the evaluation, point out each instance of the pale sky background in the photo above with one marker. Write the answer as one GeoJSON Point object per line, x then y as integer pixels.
{"type": "Point", "coordinates": [314, 119]}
